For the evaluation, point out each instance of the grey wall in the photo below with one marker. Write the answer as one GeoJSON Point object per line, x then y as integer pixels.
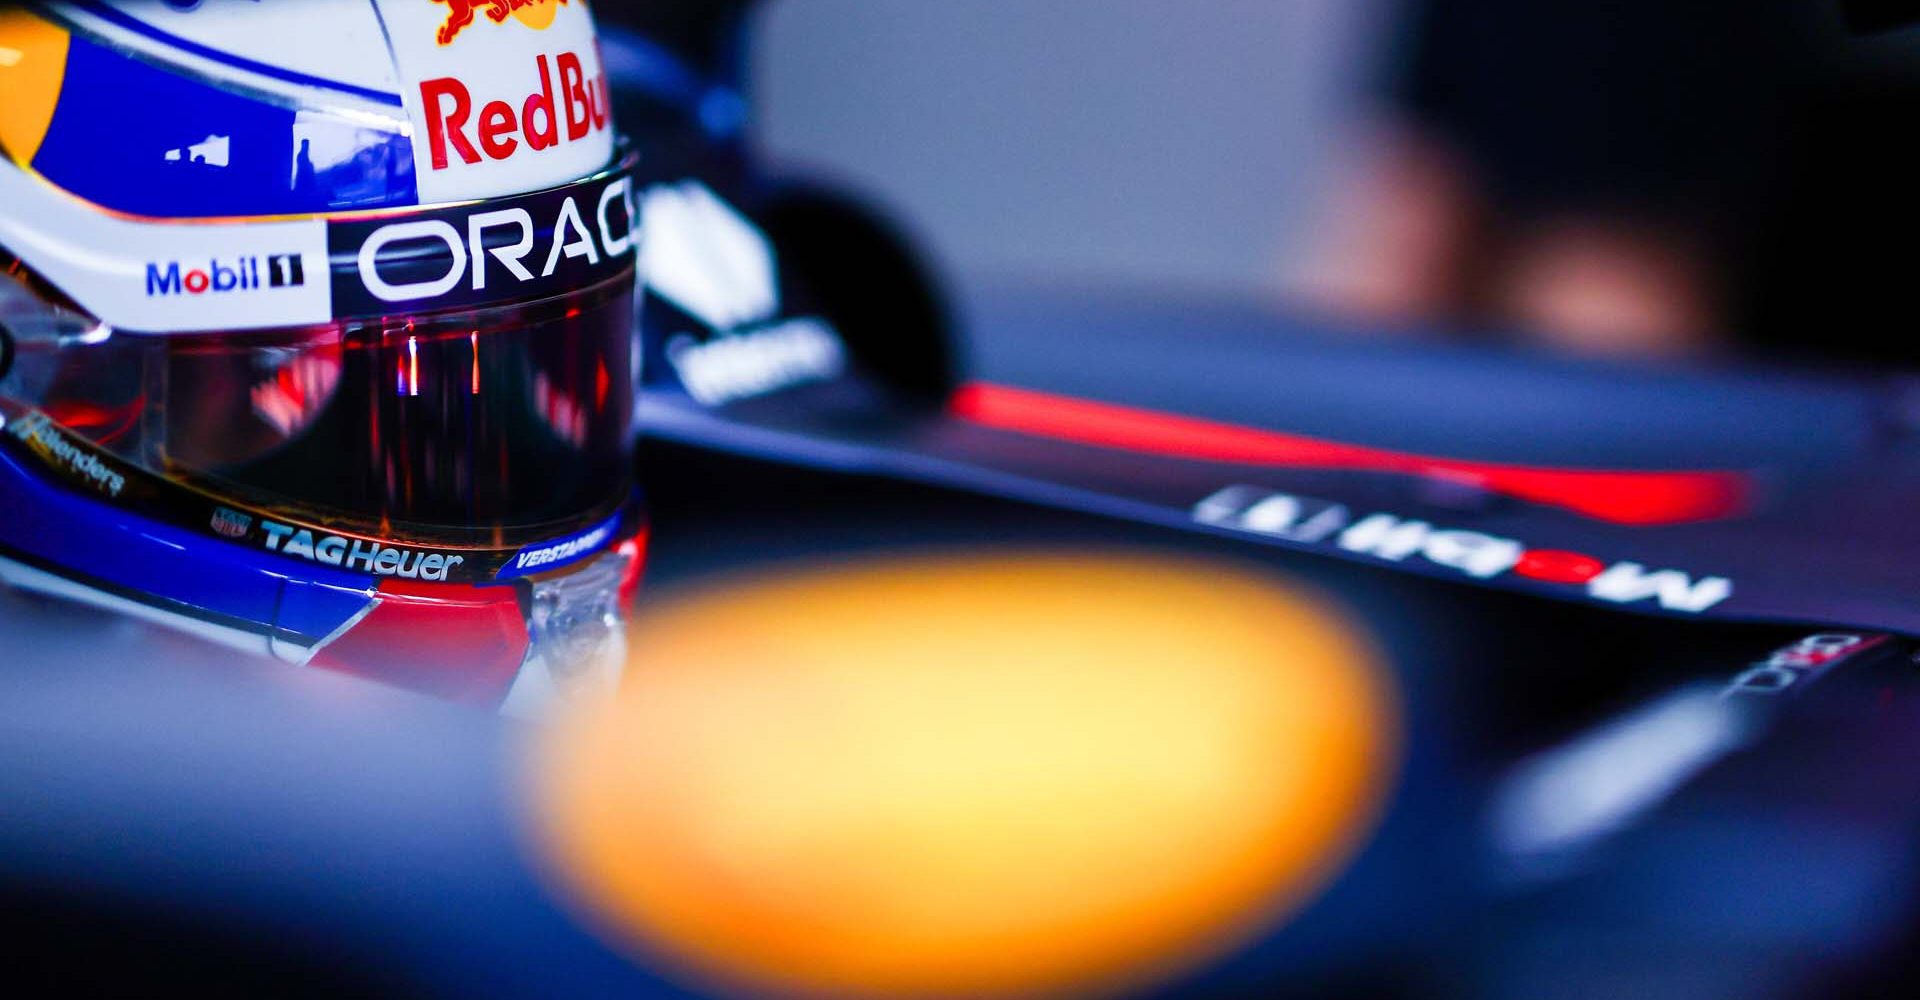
{"type": "Point", "coordinates": [1171, 143]}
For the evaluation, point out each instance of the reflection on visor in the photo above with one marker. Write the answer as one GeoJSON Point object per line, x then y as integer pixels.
{"type": "Point", "coordinates": [492, 426]}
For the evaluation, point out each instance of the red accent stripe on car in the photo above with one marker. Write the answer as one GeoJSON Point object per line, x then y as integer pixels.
{"type": "Point", "coordinates": [1619, 496]}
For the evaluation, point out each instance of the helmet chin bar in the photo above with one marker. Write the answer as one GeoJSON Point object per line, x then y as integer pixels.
{"type": "Point", "coordinates": [527, 649]}
{"type": "Point", "coordinates": [579, 638]}
{"type": "Point", "coordinates": [465, 646]}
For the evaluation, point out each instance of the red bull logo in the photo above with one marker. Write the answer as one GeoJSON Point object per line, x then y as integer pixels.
{"type": "Point", "coordinates": [535, 14]}
{"type": "Point", "coordinates": [545, 117]}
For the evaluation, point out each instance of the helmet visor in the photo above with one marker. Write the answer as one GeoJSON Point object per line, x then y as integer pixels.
{"type": "Point", "coordinates": [486, 427]}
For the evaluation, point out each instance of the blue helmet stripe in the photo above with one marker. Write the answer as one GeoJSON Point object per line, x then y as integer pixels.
{"type": "Point", "coordinates": [194, 149]}
{"type": "Point", "coordinates": [148, 560]}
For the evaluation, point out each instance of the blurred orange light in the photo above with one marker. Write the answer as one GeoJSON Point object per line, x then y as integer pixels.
{"type": "Point", "coordinates": [969, 776]}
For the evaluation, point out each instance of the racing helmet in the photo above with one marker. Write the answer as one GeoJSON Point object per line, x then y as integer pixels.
{"type": "Point", "coordinates": [317, 332]}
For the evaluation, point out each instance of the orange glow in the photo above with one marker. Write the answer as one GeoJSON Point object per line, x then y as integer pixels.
{"type": "Point", "coordinates": [33, 62]}
{"type": "Point", "coordinates": [971, 776]}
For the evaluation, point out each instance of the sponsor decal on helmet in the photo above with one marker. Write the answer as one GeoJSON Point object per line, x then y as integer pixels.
{"type": "Point", "coordinates": [552, 555]}
{"type": "Point", "coordinates": [362, 554]}
{"type": "Point", "coordinates": [244, 274]}
{"type": "Point", "coordinates": [503, 129]}
{"type": "Point", "coordinates": [229, 523]}
{"type": "Point", "coordinates": [530, 247]}
{"type": "Point", "coordinates": [1395, 539]}
{"type": "Point", "coordinates": [163, 277]}
{"type": "Point", "coordinates": [40, 434]}
{"type": "Point", "coordinates": [535, 14]}
{"type": "Point", "coordinates": [496, 109]}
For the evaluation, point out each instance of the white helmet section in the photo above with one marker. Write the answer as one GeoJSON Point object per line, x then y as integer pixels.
{"type": "Point", "coordinates": [505, 96]}
{"type": "Point", "coordinates": [167, 277]}
{"type": "Point", "coordinates": [321, 41]}
{"type": "Point", "coordinates": [502, 96]}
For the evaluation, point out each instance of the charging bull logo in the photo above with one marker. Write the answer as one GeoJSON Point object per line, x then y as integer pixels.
{"type": "Point", "coordinates": [535, 14]}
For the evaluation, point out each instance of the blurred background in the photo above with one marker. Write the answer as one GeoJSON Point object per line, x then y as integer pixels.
{"type": "Point", "coordinates": [1643, 178]}
{"type": "Point", "coordinates": [1157, 143]}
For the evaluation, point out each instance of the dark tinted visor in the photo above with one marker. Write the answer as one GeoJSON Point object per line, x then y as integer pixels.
{"type": "Point", "coordinates": [491, 426]}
